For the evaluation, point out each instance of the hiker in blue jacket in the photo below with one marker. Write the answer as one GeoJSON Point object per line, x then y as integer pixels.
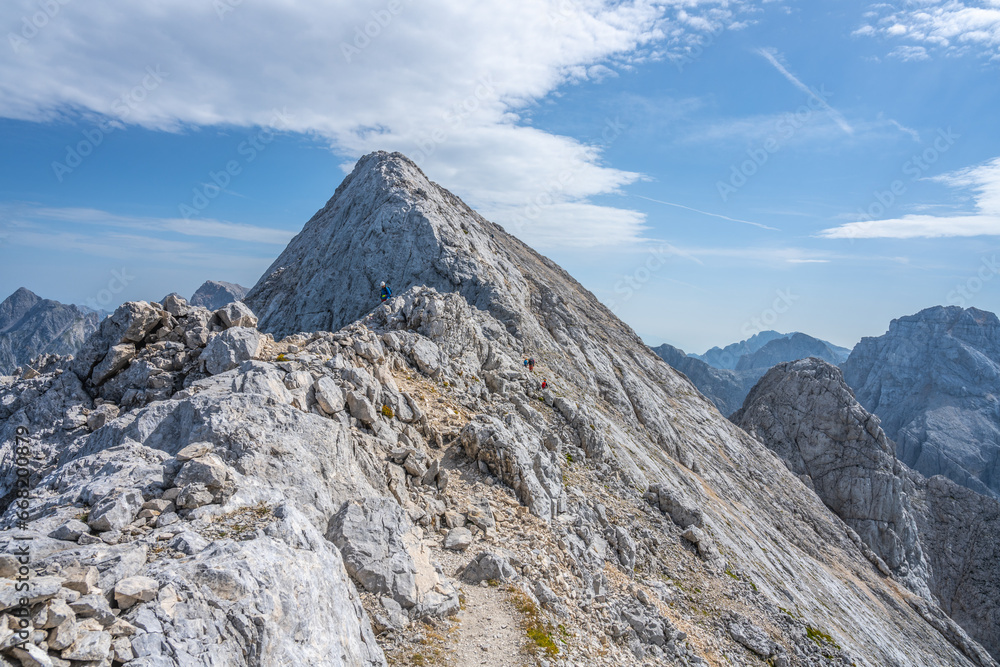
{"type": "Point", "coordinates": [385, 293]}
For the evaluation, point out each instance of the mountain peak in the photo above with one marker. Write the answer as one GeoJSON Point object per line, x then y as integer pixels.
{"type": "Point", "coordinates": [388, 222]}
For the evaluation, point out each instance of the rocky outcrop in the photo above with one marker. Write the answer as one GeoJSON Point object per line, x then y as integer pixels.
{"type": "Point", "coordinates": [932, 379]}
{"type": "Point", "coordinates": [214, 294]}
{"type": "Point", "coordinates": [807, 415]}
{"type": "Point", "coordinates": [638, 525]}
{"type": "Point", "coordinates": [958, 528]}
{"type": "Point", "coordinates": [31, 326]}
{"type": "Point", "coordinates": [935, 535]}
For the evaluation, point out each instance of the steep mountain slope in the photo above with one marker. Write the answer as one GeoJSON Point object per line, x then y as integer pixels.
{"type": "Point", "coordinates": [252, 501]}
{"type": "Point", "coordinates": [388, 222]}
{"type": "Point", "coordinates": [31, 325]}
{"type": "Point", "coordinates": [214, 294]}
{"type": "Point", "coordinates": [725, 388]}
{"type": "Point", "coordinates": [936, 535]}
{"type": "Point", "coordinates": [934, 381]}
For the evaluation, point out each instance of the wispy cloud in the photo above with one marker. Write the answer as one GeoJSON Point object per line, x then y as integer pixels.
{"type": "Point", "coordinates": [983, 180]}
{"type": "Point", "coordinates": [714, 215]}
{"type": "Point", "coordinates": [444, 82]}
{"type": "Point", "coordinates": [907, 130]}
{"type": "Point", "coordinates": [769, 55]}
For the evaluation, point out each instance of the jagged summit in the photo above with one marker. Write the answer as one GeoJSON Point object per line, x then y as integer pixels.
{"type": "Point", "coordinates": [214, 294]}
{"type": "Point", "coordinates": [388, 221]}
{"type": "Point", "coordinates": [932, 378]}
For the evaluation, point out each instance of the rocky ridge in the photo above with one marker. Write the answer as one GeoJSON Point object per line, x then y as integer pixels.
{"type": "Point", "coordinates": [31, 326]}
{"type": "Point", "coordinates": [615, 517]}
{"type": "Point", "coordinates": [933, 380]}
{"type": "Point", "coordinates": [931, 533]}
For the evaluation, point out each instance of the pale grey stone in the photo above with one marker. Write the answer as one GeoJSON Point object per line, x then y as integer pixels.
{"type": "Point", "coordinates": [231, 348]}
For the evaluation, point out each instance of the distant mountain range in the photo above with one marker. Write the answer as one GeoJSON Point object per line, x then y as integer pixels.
{"type": "Point", "coordinates": [31, 325]}
{"type": "Point", "coordinates": [726, 375]}
{"type": "Point", "coordinates": [732, 356]}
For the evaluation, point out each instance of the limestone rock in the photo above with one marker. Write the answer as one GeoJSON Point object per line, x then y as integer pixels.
{"type": "Point", "coordinates": [116, 510]}
{"type": "Point", "coordinates": [231, 348]}
{"type": "Point", "coordinates": [236, 314]}
{"type": "Point", "coordinates": [807, 415]}
{"type": "Point", "coordinates": [932, 379]}
{"type": "Point", "coordinates": [488, 566]}
{"type": "Point", "coordinates": [101, 415]}
{"type": "Point", "coordinates": [330, 396]}
{"type": "Point", "coordinates": [383, 553]}
{"type": "Point", "coordinates": [135, 589]}
{"type": "Point", "coordinates": [458, 539]}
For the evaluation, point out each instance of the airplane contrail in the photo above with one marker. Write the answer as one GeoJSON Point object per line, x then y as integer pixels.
{"type": "Point", "coordinates": [714, 215]}
{"type": "Point", "coordinates": [837, 117]}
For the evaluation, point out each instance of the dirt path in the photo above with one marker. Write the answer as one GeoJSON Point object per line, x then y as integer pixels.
{"type": "Point", "coordinates": [489, 633]}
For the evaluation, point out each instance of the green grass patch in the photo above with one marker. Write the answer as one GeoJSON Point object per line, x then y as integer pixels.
{"type": "Point", "coordinates": [539, 632]}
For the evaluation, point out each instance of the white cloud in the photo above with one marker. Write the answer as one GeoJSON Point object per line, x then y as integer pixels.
{"type": "Point", "coordinates": [443, 81]}
{"type": "Point", "coordinates": [982, 180]}
{"type": "Point", "coordinates": [954, 26]}
{"type": "Point", "coordinates": [102, 234]}
{"type": "Point", "coordinates": [909, 53]}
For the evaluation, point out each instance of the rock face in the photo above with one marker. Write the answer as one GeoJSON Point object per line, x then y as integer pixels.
{"type": "Point", "coordinates": [630, 523]}
{"type": "Point", "coordinates": [807, 415]}
{"type": "Point", "coordinates": [214, 294]}
{"type": "Point", "coordinates": [934, 381]}
{"type": "Point", "coordinates": [935, 535]}
{"type": "Point", "coordinates": [31, 326]}
{"type": "Point", "coordinates": [958, 528]}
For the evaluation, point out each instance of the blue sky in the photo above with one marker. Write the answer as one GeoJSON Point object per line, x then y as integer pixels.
{"type": "Point", "coordinates": [708, 169]}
